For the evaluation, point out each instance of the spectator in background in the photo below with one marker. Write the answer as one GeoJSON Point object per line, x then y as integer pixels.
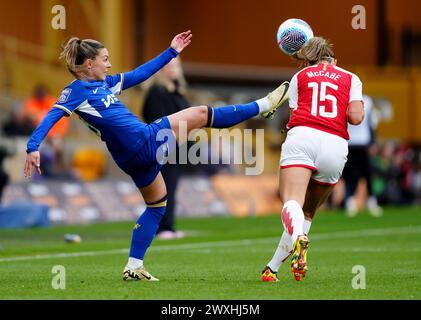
{"type": "Point", "coordinates": [167, 96]}
{"type": "Point", "coordinates": [17, 124]}
{"type": "Point", "coordinates": [4, 177]}
{"type": "Point", "coordinates": [358, 166]}
{"type": "Point", "coordinates": [416, 175]}
{"type": "Point", "coordinates": [393, 174]}
{"type": "Point", "coordinates": [33, 110]}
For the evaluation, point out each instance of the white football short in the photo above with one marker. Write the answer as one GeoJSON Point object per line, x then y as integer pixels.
{"type": "Point", "coordinates": [322, 152]}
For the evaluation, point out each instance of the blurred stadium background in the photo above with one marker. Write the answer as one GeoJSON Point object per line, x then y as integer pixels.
{"type": "Point", "coordinates": [233, 58]}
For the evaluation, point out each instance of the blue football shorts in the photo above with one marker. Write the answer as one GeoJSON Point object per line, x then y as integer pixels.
{"type": "Point", "coordinates": [148, 160]}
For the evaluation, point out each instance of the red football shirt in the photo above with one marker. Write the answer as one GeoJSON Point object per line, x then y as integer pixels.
{"type": "Point", "coordinates": [319, 96]}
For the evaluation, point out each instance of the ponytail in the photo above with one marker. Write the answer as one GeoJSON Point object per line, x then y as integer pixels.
{"type": "Point", "coordinates": [76, 51]}
{"type": "Point", "coordinates": [317, 49]}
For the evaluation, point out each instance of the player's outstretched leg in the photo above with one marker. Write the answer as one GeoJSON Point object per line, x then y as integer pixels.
{"type": "Point", "coordinates": [227, 116]}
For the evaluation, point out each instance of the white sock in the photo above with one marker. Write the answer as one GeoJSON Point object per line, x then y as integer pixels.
{"type": "Point", "coordinates": [306, 226]}
{"type": "Point", "coordinates": [282, 252]}
{"type": "Point", "coordinates": [284, 249]}
{"type": "Point", "coordinates": [264, 104]}
{"type": "Point", "coordinates": [293, 219]}
{"type": "Point", "coordinates": [134, 263]}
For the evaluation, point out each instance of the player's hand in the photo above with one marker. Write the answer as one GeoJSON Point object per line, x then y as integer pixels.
{"type": "Point", "coordinates": [181, 41]}
{"type": "Point", "coordinates": [32, 162]}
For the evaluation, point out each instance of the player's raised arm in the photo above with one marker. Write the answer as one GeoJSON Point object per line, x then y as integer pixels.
{"type": "Point", "coordinates": [148, 69]}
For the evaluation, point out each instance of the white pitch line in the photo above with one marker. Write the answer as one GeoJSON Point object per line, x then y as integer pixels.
{"type": "Point", "coordinates": [215, 244]}
{"type": "Point", "coordinates": [314, 249]}
{"type": "Point", "coordinates": [65, 255]}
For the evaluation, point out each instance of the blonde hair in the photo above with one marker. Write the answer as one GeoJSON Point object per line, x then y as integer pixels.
{"type": "Point", "coordinates": [76, 51]}
{"type": "Point", "coordinates": [161, 79]}
{"type": "Point", "coordinates": [316, 50]}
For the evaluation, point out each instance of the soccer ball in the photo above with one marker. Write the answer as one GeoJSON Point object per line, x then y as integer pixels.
{"type": "Point", "coordinates": [292, 35]}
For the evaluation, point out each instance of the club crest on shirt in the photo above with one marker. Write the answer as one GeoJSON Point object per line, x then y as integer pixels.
{"type": "Point", "coordinates": [64, 95]}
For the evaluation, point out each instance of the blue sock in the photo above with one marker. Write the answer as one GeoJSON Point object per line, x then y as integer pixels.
{"type": "Point", "coordinates": [145, 228]}
{"type": "Point", "coordinates": [228, 116]}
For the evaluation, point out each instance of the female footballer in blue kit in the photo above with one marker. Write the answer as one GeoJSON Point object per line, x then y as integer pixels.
{"type": "Point", "coordinates": [133, 144]}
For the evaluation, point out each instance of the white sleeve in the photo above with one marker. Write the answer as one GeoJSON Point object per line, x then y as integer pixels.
{"type": "Point", "coordinates": [293, 93]}
{"type": "Point", "coordinates": [356, 92]}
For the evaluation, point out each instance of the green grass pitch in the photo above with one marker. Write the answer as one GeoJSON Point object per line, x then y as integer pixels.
{"type": "Point", "coordinates": [220, 259]}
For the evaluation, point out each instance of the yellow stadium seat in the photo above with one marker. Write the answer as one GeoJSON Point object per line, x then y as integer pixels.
{"type": "Point", "coordinates": [89, 163]}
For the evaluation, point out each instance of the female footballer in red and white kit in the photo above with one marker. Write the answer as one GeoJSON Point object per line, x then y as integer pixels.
{"type": "Point", "coordinates": [323, 99]}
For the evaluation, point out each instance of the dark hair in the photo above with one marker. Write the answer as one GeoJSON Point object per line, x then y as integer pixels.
{"type": "Point", "coordinates": [76, 51]}
{"type": "Point", "coordinates": [317, 49]}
